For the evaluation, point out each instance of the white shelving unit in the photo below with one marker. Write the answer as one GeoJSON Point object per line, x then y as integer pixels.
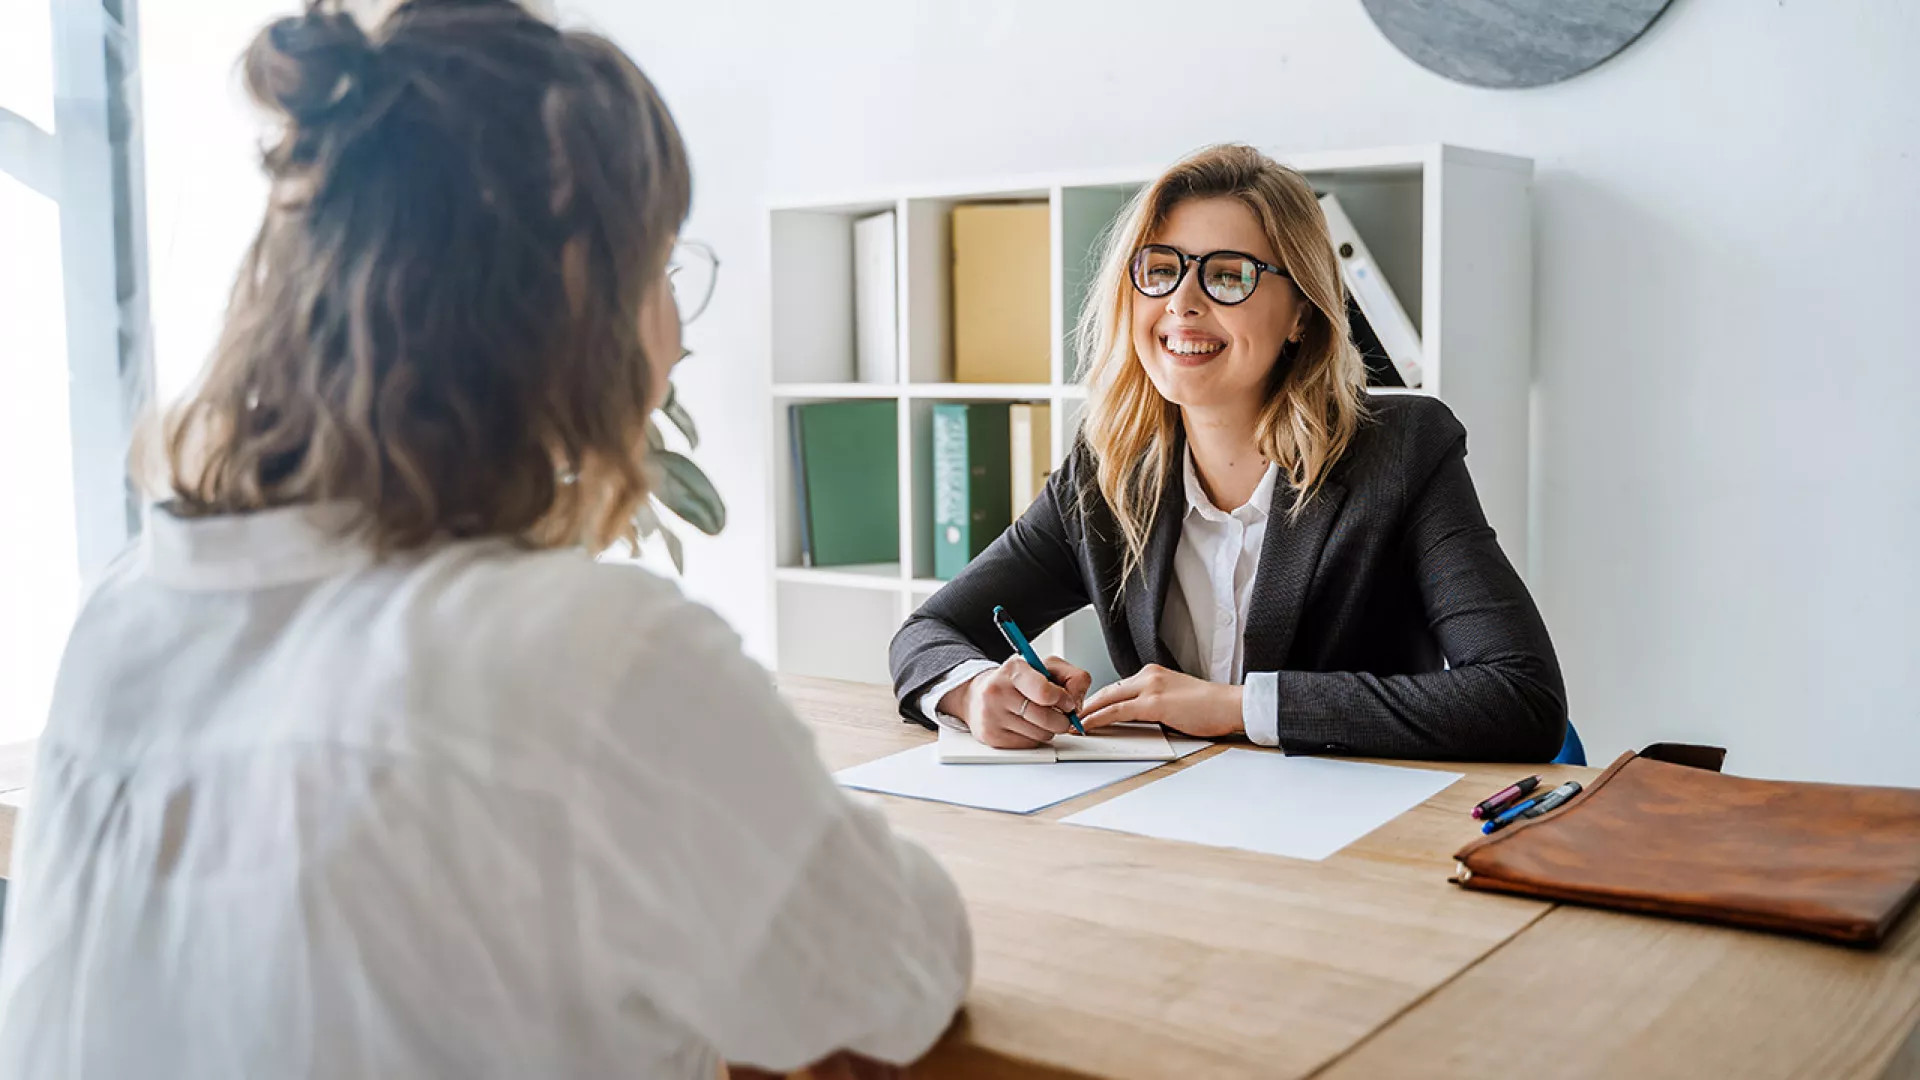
{"type": "Point", "coordinates": [1450, 227]}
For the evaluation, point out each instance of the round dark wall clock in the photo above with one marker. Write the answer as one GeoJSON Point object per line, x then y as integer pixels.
{"type": "Point", "coordinates": [1512, 43]}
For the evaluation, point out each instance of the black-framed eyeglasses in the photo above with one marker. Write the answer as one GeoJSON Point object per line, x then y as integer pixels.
{"type": "Point", "coordinates": [1227, 277]}
{"type": "Point", "coordinates": [692, 270]}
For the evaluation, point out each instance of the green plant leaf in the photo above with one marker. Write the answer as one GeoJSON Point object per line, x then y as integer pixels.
{"type": "Point", "coordinates": [675, 550]}
{"type": "Point", "coordinates": [647, 524]}
{"type": "Point", "coordinates": [683, 488]}
{"type": "Point", "coordinates": [686, 491]}
{"type": "Point", "coordinates": [682, 419]}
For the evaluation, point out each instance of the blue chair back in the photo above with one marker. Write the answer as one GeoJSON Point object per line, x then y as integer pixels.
{"type": "Point", "coordinates": [1571, 752]}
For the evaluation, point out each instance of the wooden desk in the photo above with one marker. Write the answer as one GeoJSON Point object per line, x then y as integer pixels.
{"type": "Point", "coordinates": [1103, 954]}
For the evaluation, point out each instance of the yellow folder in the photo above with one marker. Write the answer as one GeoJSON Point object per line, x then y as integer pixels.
{"type": "Point", "coordinates": [1002, 304]}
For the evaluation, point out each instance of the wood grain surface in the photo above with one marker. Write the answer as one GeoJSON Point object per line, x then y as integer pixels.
{"type": "Point", "coordinates": [1106, 954]}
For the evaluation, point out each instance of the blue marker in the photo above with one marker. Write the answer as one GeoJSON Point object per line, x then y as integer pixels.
{"type": "Point", "coordinates": [1019, 642]}
{"type": "Point", "coordinates": [1508, 816]}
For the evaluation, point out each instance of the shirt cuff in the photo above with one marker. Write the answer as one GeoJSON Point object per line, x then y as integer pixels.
{"type": "Point", "coordinates": [930, 701]}
{"type": "Point", "coordinates": [1260, 707]}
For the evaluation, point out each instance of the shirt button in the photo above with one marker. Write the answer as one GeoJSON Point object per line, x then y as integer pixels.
{"type": "Point", "coordinates": [1226, 618]}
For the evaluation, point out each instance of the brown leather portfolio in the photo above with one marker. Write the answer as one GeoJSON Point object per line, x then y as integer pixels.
{"type": "Point", "coordinates": [1654, 834]}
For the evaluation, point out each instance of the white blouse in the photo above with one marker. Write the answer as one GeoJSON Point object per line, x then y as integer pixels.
{"type": "Point", "coordinates": [473, 811]}
{"type": "Point", "coordinates": [1205, 618]}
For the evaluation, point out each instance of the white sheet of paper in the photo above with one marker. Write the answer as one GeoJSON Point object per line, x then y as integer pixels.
{"type": "Point", "coordinates": [1017, 789]}
{"type": "Point", "coordinates": [1300, 807]}
{"type": "Point", "coordinates": [1014, 789]}
{"type": "Point", "coordinates": [1121, 742]}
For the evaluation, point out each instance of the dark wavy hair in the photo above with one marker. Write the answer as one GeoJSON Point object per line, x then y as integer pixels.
{"type": "Point", "coordinates": [439, 321]}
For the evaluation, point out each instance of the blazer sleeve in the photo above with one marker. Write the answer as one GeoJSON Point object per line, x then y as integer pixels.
{"type": "Point", "coordinates": [1030, 570]}
{"type": "Point", "coordinates": [1500, 699]}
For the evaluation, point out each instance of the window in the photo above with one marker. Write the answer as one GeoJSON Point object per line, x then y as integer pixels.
{"type": "Point", "coordinates": [72, 324]}
{"type": "Point", "coordinates": [26, 61]}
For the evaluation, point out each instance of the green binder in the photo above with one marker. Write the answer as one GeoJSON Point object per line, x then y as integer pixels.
{"type": "Point", "coordinates": [972, 483]}
{"type": "Point", "coordinates": [847, 472]}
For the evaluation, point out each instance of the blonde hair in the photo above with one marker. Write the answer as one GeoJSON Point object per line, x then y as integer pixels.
{"type": "Point", "coordinates": [1316, 398]}
{"type": "Point", "coordinates": [439, 321]}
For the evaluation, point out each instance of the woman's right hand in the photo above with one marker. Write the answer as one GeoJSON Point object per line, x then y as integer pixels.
{"type": "Point", "coordinates": [1014, 707]}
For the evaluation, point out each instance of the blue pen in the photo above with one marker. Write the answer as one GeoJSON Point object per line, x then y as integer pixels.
{"type": "Point", "coordinates": [1507, 816]}
{"type": "Point", "coordinates": [1019, 642]}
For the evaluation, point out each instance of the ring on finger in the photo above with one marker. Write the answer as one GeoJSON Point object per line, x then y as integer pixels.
{"type": "Point", "coordinates": [1023, 708]}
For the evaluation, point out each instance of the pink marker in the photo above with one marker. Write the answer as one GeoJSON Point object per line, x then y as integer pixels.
{"type": "Point", "coordinates": [1491, 804]}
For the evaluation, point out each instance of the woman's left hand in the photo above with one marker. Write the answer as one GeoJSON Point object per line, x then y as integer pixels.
{"type": "Point", "coordinates": [1158, 695]}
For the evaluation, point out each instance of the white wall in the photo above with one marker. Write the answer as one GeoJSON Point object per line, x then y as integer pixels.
{"type": "Point", "coordinates": [205, 193]}
{"type": "Point", "coordinates": [1727, 527]}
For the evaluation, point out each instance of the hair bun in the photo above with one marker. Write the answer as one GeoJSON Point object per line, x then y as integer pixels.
{"type": "Point", "coordinates": [305, 66]}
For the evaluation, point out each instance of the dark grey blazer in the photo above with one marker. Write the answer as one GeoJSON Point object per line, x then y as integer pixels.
{"type": "Point", "coordinates": [1389, 576]}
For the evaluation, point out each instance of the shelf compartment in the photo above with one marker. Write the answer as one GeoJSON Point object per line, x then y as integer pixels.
{"type": "Point", "coordinates": [812, 290]}
{"type": "Point", "coordinates": [835, 632]}
{"type": "Point", "coordinates": [927, 281]}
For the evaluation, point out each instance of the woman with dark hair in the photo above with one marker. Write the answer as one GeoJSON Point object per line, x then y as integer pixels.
{"type": "Point", "coordinates": [358, 764]}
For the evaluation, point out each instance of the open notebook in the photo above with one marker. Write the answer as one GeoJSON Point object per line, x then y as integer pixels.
{"type": "Point", "coordinates": [1121, 742]}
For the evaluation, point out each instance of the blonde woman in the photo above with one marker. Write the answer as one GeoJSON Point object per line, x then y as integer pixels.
{"type": "Point", "coordinates": [359, 765]}
{"type": "Point", "coordinates": [1270, 553]}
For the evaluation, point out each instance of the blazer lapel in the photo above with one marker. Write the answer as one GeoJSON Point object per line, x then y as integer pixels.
{"type": "Point", "coordinates": [1289, 557]}
{"type": "Point", "coordinates": [1145, 603]}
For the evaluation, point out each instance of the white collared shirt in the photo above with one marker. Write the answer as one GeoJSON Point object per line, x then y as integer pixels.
{"type": "Point", "coordinates": [1205, 620]}
{"type": "Point", "coordinates": [469, 811]}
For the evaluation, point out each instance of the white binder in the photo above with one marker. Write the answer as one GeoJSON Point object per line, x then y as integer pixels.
{"type": "Point", "coordinates": [1397, 334]}
{"type": "Point", "coordinates": [876, 322]}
